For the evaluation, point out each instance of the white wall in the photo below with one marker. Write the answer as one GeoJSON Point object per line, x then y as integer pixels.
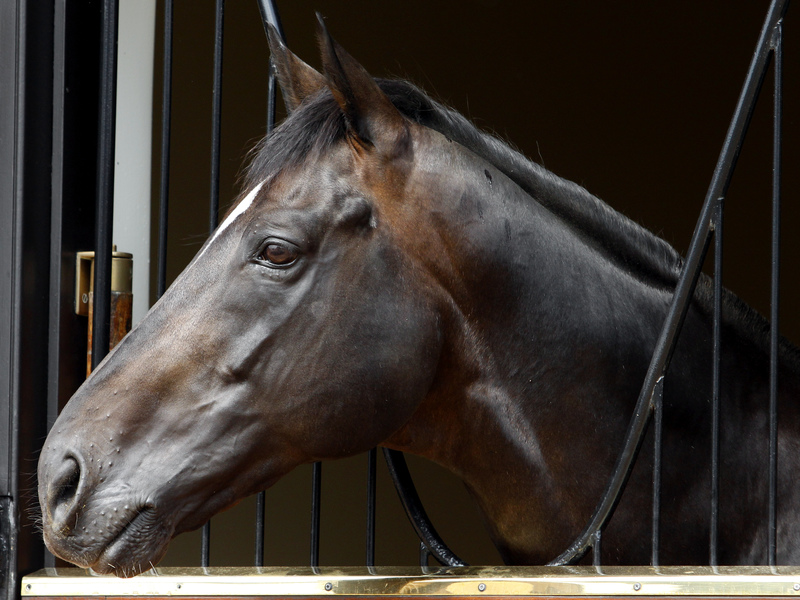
{"type": "Point", "coordinates": [133, 142]}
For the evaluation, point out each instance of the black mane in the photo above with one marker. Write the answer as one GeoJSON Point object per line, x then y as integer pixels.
{"type": "Point", "coordinates": [319, 124]}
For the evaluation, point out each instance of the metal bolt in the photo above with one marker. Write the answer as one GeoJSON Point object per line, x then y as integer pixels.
{"type": "Point", "coordinates": [28, 587]}
{"type": "Point", "coordinates": [797, 587]}
{"type": "Point", "coordinates": [179, 586]}
{"type": "Point", "coordinates": [328, 587]}
{"type": "Point", "coordinates": [637, 586]}
{"type": "Point", "coordinates": [481, 587]}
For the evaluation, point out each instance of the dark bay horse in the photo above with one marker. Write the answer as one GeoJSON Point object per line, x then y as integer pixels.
{"type": "Point", "coordinates": [392, 276]}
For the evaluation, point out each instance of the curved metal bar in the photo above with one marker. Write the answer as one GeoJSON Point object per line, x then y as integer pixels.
{"type": "Point", "coordinates": [685, 288]}
{"type": "Point", "coordinates": [269, 14]}
{"type": "Point", "coordinates": [404, 485]}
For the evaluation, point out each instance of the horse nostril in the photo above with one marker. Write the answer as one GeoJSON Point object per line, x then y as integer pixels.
{"type": "Point", "coordinates": [65, 486]}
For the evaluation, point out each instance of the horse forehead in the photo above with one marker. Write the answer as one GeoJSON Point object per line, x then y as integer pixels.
{"type": "Point", "coordinates": [306, 188]}
{"type": "Point", "coordinates": [315, 185]}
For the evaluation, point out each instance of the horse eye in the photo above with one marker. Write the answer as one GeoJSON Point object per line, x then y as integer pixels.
{"type": "Point", "coordinates": [278, 254]}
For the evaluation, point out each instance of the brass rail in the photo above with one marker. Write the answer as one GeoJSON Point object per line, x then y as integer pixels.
{"type": "Point", "coordinates": [572, 581]}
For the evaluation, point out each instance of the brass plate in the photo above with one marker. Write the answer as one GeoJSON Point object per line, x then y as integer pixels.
{"type": "Point", "coordinates": [393, 581]}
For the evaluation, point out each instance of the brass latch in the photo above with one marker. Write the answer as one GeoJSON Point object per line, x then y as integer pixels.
{"type": "Point", "coordinates": [121, 277]}
{"type": "Point", "coordinates": [121, 295]}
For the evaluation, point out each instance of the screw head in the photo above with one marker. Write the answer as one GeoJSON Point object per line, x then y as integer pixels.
{"type": "Point", "coordinates": [328, 587]}
{"type": "Point", "coordinates": [28, 587]}
{"type": "Point", "coordinates": [637, 586]}
{"type": "Point", "coordinates": [797, 587]}
{"type": "Point", "coordinates": [481, 587]}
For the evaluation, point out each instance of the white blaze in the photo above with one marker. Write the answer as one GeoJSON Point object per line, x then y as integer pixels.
{"type": "Point", "coordinates": [240, 208]}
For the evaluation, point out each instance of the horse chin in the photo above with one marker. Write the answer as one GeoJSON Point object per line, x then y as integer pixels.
{"type": "Point", "coordinates": [134, 547]}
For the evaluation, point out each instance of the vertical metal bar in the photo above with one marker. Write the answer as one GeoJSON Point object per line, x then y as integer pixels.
{"type": "Point", "coordinates": [316, 495]}
{"type": "Point", "coordinates": [715, 385]}
{"type": "Point", "coordinates": [217, 114]}
{"type": "Point", "coordinates": [56, 223]}
{"type": "Point", "coordinates": [269, 14]}
{"type": "Point", "coordinates": [213, 217]}
{"type": "Point", "coordinates": [372, 461]}
{"type": "Point", "coordinates": [205, 545]}
{"type": "Point", "coordinates": [658, 413]}
{"type": "Point", "coordinates": [597, 538]}
{"type": "Point", "coordinates": [166, 119]}
{"type": "Point", "coordinates": [260, 507]}
{"type": "Point", "coordinates": [101, 322]}
{"type": "Point", "coordinates": [775, 293]}
{"type": "Point", "coordinates": [424, 555]}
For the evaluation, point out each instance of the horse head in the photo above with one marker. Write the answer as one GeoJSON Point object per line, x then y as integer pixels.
{"type": "Point", "coordinates": [306, 328]}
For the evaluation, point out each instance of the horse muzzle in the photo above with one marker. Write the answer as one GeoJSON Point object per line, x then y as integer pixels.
{"type": "Point", "coordinates": [91, 518]}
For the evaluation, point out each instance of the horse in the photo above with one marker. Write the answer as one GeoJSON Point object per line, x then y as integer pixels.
{"type": "Point", "coordinates": [392, 276]}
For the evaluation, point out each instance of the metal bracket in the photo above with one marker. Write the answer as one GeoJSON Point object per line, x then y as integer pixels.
{"type": "Point", "coordinates": [121, 277]}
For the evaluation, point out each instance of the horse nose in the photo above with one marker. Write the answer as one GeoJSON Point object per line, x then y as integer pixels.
{"type": "Point", "coordinates": [63, 494]}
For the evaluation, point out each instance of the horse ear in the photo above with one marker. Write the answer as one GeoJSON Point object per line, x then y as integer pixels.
{"type": "Point", "coordinates": [369, 113]}
{"type": "Point", "coordinates": [298, 80]}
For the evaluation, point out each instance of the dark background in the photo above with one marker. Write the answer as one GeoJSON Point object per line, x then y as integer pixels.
{"type": "Point", "coordinates": [632, 100]}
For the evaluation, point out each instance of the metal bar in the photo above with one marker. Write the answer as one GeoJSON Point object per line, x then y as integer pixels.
{"type": "Point", "coordinates": [412, 583]}
{"type": "Point", "coordinates": [372, 463]}
{"type": "Point", "coordinates": [716, 357]}
{"type": "Point", "coordinates": [213, 211]}
{"type": "Point", "coordinates": [424, 555]}
{"type": "Point", "coordinates": [56, 222]}
{"type": "Point", "coordinates": [14, 67]}
{"type": "Point", "coordinates": [597, 547]}
{"type": "Point", "coordinates": [777, 45]}
{"type": "Point", "coordinates": [101, 322]}
{"type": "Point", "coordinates": [166, 120]}
{"type": "Point", "coordinates": [261, 501]}
{"type": "Point", "coordinates": [316, 496]}
{"type": "Point", "coordinates": [205, 545]}
{"type": "Point", "coordinates": [684, 289]}
{"type": "Point", "coordinates": [409, 498]}
{"type": "Point", "coordinates": [269, 14]}
{"type": "Point", "coordinates": [658, 413]}
{"type": "Point", "coordinates": [216, 120]}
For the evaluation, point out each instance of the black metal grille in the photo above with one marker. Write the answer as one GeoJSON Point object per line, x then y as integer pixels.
{"type": "Point", "coordinates": [15, 230]}
{"type": "Point", "coordinates": [709, 224]}
{"type": "Point", "coordinates": [649, 406]}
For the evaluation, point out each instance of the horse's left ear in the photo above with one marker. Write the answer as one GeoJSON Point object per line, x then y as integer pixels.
{"type": "Point", "coordinates": [370, 115]}
{"type": "Point", "coordinates": [297, 80]}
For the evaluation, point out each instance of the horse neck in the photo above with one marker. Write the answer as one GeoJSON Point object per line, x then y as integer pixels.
{"type": "Point", "coordinates": [547, 346]}
{"type": "Point", "coordinates": [609, 231]}
{"type": "Point", "coordinates": [532, 354]}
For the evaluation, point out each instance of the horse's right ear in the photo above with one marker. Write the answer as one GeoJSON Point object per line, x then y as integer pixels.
{"type": "Point", "coordinates": [298, 80]}
{"type": "Point", "coordinates": [372, 119]}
